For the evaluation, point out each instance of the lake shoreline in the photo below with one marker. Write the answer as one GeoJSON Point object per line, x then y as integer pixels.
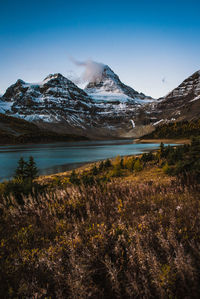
{"type": "Point", "coordinates": [59, 158]}
{"type": "Point", "coordinates": [176, 141]}
{"type": "Point", "coordinates": [88, 165]}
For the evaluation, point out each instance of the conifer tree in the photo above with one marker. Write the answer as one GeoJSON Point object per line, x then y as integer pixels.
{"type": "Point", "coordinates": [31, 169]}
{"type": "Point", "coordinates": [74, 178]}
{"type": "Point", "coordinates": [107, 163]}
{"type": "Point", "coordinates": [94, 170]}
{"type": "Point", "coordinates": [101, 166]}
{"type": "Point", "coordinates": [162, 148]}
{"type": "Point", "coordinates": [20, 172]}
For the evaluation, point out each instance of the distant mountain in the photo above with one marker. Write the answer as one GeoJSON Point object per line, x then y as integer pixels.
{"type": "Point", "coordinates": [14, 130]}
{"type": "Point", "coordinates": [106, 108]}
{"type": "Point", "coordinates": [118, 106]}
{"type": "Point", "coordinates": [55, 100]}
{"type": "Point", "coordinates": [182, 103]}
{"type": "Point", "coordinates": [108, 83]}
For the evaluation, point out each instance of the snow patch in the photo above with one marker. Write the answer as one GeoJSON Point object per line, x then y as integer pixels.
{"type": "Point", "coordinates": [133, 123]}
{"type": "Point", "coordinates": [5, 106]}
{"type": "Point", "coordinates": [158, 122]}
{"type": "Point", "coordinates": [195, 99]}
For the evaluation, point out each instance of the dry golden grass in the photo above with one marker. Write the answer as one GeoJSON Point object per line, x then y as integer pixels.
{"type": "Point", "coordinates": [125, 230]}
{"type": "Point", "coordinates": [123, 239]}
{"type": "Point", "coordinates": [149, 174]}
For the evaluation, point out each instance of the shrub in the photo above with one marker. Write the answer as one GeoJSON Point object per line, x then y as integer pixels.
{"type": "Point", "coordinates": [94, 170]}
{"type": "Point", "coordinates": [74, 178]}
{"type": "Point", "coordinates": [129, 163]}
{"type": "Point", "coordinates": [87, 179]}
{"type": "Point", "coordinates": [117, 167]}
{"type": "Point", "coordinates": [107, 163]}
{"type": "Point", "coordinates": [101, 166]}
{"type": "Point", "coordinates": [138, 165]}
{"type": "Point", "coordinates": [167, 169]}
{"type": "Point", "coordinates": [147, 157]}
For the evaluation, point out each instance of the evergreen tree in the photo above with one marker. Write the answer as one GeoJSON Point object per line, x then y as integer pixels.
{"type": "Point", "coordinates": [162, 149]}
{"type": "Point", "coordinates": [101, 166]}
{"type": "Point", "coordinates": [31, 170]}
{"type": "Point", "coordinates": [20, 172]}
{"type": "Point", "coordinates": [107, 163]}
{"type": "Point", "coordinates": [94, 170]}
{"type": "Point", "coordinates": [74, 178]}
{"type": "Point", "coordinates": [122, 163]}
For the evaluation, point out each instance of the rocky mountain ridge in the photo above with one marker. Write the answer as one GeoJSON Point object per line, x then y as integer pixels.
{"type": "Point", "coordinates": [105, 108]}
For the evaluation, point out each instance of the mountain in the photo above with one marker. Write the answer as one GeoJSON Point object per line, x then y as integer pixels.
{"type": "Point", "coordinates": [15, 130]}
{"type": "Point", "coordinates": [107, 82]}
{"type": "Point", "coordinates": [118, 107]}
{"type": "Point", "coordinates": [56, 100]}
{"type": "Point", "coordinates": [183, 102]}
{"type": "Point", "coordinates": [106, 108]}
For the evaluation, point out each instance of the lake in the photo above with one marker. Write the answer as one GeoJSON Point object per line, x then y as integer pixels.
{"type": "Point", "coordinates": [62, 156]}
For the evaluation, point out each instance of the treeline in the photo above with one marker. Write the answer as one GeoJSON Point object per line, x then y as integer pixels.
{"type": "Point", "coordinates": [184, 129]}
{"type": "Point", "coordinates": [182, 161]}
{"type": "Point", "coordinates": [38, 137]}
{"type": "Point", "coordinates": [106, 170]}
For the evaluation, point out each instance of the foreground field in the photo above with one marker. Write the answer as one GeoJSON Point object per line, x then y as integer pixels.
{"type": "Point", "coordinates": [132, 231]}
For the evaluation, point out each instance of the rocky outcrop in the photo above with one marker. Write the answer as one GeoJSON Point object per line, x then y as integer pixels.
{"type": "Point", "coordinates": [182, 103]}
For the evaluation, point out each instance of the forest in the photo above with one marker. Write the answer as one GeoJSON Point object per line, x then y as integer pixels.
{"type": "Point", "coordinates": [184, 129]}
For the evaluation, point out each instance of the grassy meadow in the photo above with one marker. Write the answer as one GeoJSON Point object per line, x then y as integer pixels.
{"type": "Point", "coordinates": [126, 228]}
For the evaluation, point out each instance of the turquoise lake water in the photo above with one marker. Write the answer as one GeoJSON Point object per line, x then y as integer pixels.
{"type": "Point", "coordinates": [62, 156]}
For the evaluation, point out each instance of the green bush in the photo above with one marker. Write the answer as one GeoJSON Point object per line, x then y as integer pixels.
{"type": "Point", "coordinates": [94, 170]}
{"type": "Point", "coordinates": [107, 164]}
{"type": "Point", "coordinates": [138, 165]}
{"type": "Point", "coordinates": [147, 157]}
{"type": "Point", "coordinates": [74, 179]}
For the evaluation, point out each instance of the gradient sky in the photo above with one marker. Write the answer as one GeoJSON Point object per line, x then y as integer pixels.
{"type": "Point", "coordinates": [152, 45]}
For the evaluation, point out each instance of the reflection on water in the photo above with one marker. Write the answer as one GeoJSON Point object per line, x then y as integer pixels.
{"type": "Point", "coordinates": [59, 157]}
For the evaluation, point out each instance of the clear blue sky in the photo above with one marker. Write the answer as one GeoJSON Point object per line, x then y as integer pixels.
{"type": "Point", "coordinates": [152, 45]}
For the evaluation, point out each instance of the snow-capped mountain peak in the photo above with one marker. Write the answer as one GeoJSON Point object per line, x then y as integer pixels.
{"type": "Point", "coordinates": [57, 77]}
{"type": "Point", "coordinates": [107, 107]}
{"type": "Point", "coordinates": [191, 85]}
{"type": "Point", "coordinates": [106, 80]}
{"type": "Point", "coordinates": [107, 83]}
{"type": "Point", "coordinates": [52, 101]}
{"type": "Point", "coordinates": [183, 102]}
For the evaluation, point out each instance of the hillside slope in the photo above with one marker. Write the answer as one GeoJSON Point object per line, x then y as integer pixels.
{"type": "Point", "coordinates": [14, 130]}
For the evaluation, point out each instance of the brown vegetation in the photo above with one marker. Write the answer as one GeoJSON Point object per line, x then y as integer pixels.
{"type": "Point", "coordinates": [124, 228]}
{"type": "Point", "coordinates": [107, 241]}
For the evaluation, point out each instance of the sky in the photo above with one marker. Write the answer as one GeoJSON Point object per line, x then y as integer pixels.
{"type": "Point", "coordinates": [152, 45]}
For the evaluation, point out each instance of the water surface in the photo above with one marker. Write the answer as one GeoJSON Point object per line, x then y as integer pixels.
{"type": "Point", "coordinates": [62, 156]}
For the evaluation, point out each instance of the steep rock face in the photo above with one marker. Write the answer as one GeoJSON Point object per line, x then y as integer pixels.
{"type": "Point", "coordinates": [107, 107]}
{"type": "Point", "coordinates": [108, 81]}
{"type": "Point", "coordinates": [55, 100]}
{"type": "Point", "coordinates": [118, 107]}
{"type": "Point", "coordinates": [182, 103]}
